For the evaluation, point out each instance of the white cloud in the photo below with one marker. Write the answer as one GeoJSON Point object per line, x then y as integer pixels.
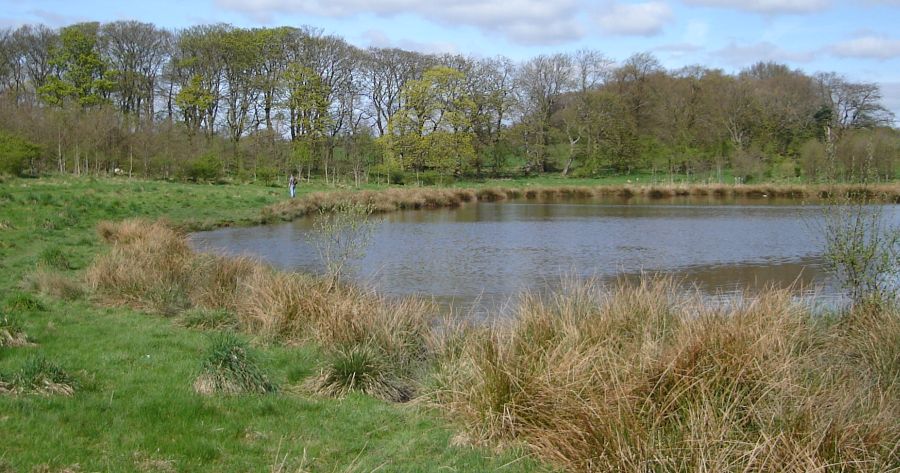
{"type": "Point", "coordinates": [869, 47]}
{"type": "Point", "coordinates": [769, 7]}
{"type": "Point", "coordinates": [745, 55]}
{"type": "Point", "coordinates": [379, 39]}
{"type": "Point", "coordinates": [523, 21]}
{"type": "Point", "coordinates": [52, 18]}
{"type": "Point", "coordinates": [696, 31]}
{"type": "Point", "coordinates": [638, 19]}
{"type": "Point", "coordinates": [890, 98]}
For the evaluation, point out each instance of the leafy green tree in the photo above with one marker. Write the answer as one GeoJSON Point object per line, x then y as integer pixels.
{"type": "Point", "coordinates": [308, 108]}
{"type": "Point", "coordinates": [16, 153]}
{"type": "Point", "coordinates": [433, 129]}
{"type": "Point", "coordinates": [82, 74]}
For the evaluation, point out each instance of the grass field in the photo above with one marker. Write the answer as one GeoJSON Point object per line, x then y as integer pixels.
{"type": "Point", "coordinates": [134, 408]}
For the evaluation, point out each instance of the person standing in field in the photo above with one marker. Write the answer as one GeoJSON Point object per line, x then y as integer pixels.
{"type": "Point", "coordinates": [292, 185]}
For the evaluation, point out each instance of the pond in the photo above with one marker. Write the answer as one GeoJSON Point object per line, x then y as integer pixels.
{"type": "Point", "coordinates": [480, 255]}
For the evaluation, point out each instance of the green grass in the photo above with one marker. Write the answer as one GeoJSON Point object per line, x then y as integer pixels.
{"type": "Point", "coordinates": [135, 408]}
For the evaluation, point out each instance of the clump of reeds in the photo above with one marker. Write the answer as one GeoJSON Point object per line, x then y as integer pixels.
{"type": "Point", "coordinates": [621, 379]}
{"type": "Point", "coordinates": [41, 377]}
{"type": "Point", "coordinates": [362, 368]}
{"type": "Point", "coordinates": [231, 368]}
{"type": "Point", "coordinates": [301, 308]}
{"type": "Point", "coordinates": [12, 331]}
{"type": "Point", "coordinates": [149, 266]}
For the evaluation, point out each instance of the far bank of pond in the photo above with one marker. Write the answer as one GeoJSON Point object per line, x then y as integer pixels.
{"type": "Point", "coordinates": [483, 253]}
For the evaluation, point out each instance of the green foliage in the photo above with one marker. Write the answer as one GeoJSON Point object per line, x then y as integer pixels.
{"type": "Point", "coordinates": [813, 161]}
{"type": "Point", "coordinates": [268, 175]}
{"type": "Point", "coordinates": [208, 167]}
{"type": "Point", "coordinates": [433, 129]}
{"type": "Point", "coordinates": [194, 100]}
{"type": "Point", "coordinates": [16, 154]}
{"type": "Point", "coordinates": [85, 77]}
{"type": "Point", "coordinates": [231, 368]}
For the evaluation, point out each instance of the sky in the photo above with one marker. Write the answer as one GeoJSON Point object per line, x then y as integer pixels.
{"type": "Point", "coordinates": [857, 39]}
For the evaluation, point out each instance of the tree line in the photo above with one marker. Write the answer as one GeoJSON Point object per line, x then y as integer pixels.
{"type": "Point", "coordinates": [215, 100]}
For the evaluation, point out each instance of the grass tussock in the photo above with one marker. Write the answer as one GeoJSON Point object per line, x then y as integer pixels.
{"type": "Point", "coordinates": [12, 331]}
{"type": "Point", "coordinates": [231, 368]}
{"type": "Point", "coordinates": [391, 200]}
{"type": "Point", "coordinates": [641, 378]}
{"type": "Point", "coordinates": [361, 368]}
{"type": "Point", "coordinates": [41, 377]}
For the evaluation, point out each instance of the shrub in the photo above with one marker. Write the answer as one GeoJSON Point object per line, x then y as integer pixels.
{"type": "Point", "coordinates": [15, 154]}
{"type": "Point", "coordinates": [862, 249]}
{"type": "Point", "coordinates": [231, 368]}
{"type": "Point", "coordinates": [205, 168]}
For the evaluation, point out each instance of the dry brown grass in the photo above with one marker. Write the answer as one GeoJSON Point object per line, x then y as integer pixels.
{"type": "Point", "coordinates": [52, 283]}
{"type": "Point", "coordinates": [150, 266]}
{"type": "Point", "coordinates": [394, 199]}
{"type": "Point", "coordinates": [643, 378]}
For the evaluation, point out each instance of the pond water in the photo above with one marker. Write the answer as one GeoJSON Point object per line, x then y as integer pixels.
{"type": "Point", "coordinates": [481, 254]}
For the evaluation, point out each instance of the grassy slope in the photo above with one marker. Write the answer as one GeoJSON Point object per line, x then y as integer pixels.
{"type": "Point", "coordinates": [135, 410]}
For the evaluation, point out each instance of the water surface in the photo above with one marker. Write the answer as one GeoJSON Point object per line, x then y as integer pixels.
{"type": "Point", "coordinates": [481, 254]}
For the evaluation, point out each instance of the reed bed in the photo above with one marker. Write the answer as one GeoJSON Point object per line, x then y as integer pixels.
{"type": "Point", "coordinates": [431, 198]}
{"type": "Point", "coordinates": [633, 377]}
{"type": "Point", "coordinates": [644, 378]}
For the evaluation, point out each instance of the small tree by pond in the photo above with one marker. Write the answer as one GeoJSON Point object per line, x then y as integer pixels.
{"type": "Point", "coordinates": [341, 234]}
{"type": "Point", "coordinates": [862, 250]}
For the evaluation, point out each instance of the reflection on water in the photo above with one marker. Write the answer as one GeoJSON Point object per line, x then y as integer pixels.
{"type": "Point", "coordinates": [487, 252]}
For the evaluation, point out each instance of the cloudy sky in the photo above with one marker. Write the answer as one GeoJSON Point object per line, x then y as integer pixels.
{"type": "Point", "coordinates": [859, 39]}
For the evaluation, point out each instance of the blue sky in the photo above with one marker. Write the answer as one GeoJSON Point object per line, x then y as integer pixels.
{"type": "Point", "coordinates": [860, 39]}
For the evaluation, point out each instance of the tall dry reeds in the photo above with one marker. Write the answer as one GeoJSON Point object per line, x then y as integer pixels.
{"type": "Point", "coordinates": [394, 199]}
{"type": "Point", "coordinates": [151, 266]}
{"type": "Point", "coordinates": [644, 378]}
